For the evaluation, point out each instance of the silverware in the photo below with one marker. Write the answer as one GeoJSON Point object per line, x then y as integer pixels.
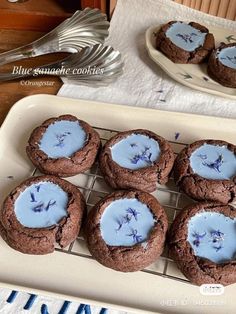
{"type": "Point", "coordinates": [84, 28]}
{"type": "Point", "coordinates": [93, 65]}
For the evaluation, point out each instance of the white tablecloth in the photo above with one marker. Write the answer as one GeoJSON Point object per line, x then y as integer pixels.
{"type": "Point", "coordinates": [142, 78]}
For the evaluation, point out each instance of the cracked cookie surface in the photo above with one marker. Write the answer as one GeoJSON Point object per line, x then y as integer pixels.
{"type": "Point", "coordinates": [83, 146]}
{"type": "Point", "coordinates": [201, 188]}
{"type": "Point", "coordinates": [123, 256]}
{"type": "Point", "coordinates": [223, 69]}
{"type": "Point", "coordinates": [197, 269]}
{"type": "Point", "coordinates": [41, 240]}
{"type": "Point", "coordinates": [180, 55]}
{"type": "Point", "coordinates": [144, 178]}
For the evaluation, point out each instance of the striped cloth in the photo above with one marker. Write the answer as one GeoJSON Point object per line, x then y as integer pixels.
{"type": "Point", "coordinates": [15, 302]}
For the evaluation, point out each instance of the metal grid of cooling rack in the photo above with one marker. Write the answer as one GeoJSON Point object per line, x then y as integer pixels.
{"type": "Point", "coordinates": [93, 187]}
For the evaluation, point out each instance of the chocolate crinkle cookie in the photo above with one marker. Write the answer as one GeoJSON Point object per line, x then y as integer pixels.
{"type": "Point", "coordinates": [185, 43]}
{"type": "Point", "coordinates": [206, 170]}
{"type": "Point", "coordinates": [202, 243]}
{"type": "Point", "coordinates": [222, 65]}
{"type": "Point", "coordinates": [63, 146]}
{"type": "Point", "coordinates": [136, 159]}
{"type": "Point", "coordinates": [126, 230]}
{"type": "Point", "coordinates": [40, 213]}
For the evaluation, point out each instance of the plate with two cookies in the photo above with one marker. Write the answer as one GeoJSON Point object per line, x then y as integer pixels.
{"type": "Point", "coordinates": [195, 56]}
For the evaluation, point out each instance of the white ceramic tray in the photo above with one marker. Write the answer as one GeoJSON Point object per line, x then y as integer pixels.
{"type": "Point", "coordinates": [191, 75]}
{"type": "Point", "coordinates": [72, 273]}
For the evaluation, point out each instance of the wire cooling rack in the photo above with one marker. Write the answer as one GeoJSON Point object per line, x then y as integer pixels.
{"type": "Point", "coordinates": [93, 187]}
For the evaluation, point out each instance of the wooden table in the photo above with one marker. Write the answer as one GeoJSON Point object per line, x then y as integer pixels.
{"type": "Point", "coordinates": [11, 92]}
{"type": "Point", "coordinates": [20, 24]}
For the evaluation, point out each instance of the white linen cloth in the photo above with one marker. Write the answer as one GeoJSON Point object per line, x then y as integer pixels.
{"type": "Point", "coordinates": [142, 81]}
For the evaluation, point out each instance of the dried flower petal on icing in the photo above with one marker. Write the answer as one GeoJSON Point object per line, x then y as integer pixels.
{"type": "Point", "coordinates": [38, 208]}
{"type": "Point", "coordinates": [133, 212]}
{"type": "Point", "coordinates": [203, 157]}
{"type": "Point", "coordinates": [120, 224]}
{"type": "Point", "coordinates": [33, 200]}
{"type": "Point", "coordinates": [217, 248]}
{"type": "Point", "coordinates": [213, 165]}
{"type": "Point", "coordinates": [186, 37]}
{"type": "Point", "coordinates": [198, 237]}
{"type": "Point", "coordinates": [38, 187]}
{"type": "Point", "coordinates": [217, 236]}
{"type": "Point", "coordinates": [50, 203]}
{"type": "Point", "coordinates": [61, 138]}
{"type": "Point", "coordinates": [126, 219]}
{"type": "Point", "coordinates": [144, 156]}
{"type": "Point", "coordinates": [231, 59]}
{"type": "Point", "coordinates": [137, 238]}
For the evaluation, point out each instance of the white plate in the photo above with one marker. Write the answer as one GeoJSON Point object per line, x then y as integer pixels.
{"type": "Point", "coordinates": [72, 273]}
{"type": "Point", "coordinates": [191, 75]}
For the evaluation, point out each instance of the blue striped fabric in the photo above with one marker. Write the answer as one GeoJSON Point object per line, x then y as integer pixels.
{"type": "Point", "coordinates": [30, 301]}
{"type": "Point", "coordinates": [12, 296]}
{"type": "Point", "coordinates": [82, 309]}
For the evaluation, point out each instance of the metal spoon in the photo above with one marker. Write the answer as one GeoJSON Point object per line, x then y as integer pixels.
{"type": "Point", "coordinates": [84, 28]}
{"type": "Point", "coordinates": [93, 65]}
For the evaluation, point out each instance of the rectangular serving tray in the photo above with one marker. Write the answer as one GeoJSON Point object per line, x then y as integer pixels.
{"type": "Point", "coordinates": [72, 273]}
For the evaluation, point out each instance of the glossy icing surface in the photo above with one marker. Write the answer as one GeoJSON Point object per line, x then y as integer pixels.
{"type": "Point", "coordinates": [212, 235]}
{"type": "Point", "coordinates": [135, 151]}
{"type": "Point", "coordinates": [185, 36]}
{"type": "Point", "coordinates": [227, 57]}
{"type": "Point", "coordinates": [41, 205]}
{"type": "Point", "coordinates": [213, 162]}
{"type": "Point", "coordinates": [62, 139]}
{"type": "Point", "coordinates": [126, 222]}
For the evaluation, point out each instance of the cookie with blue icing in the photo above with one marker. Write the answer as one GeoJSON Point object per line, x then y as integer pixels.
{"type": "Point", "coordinates": [126, 230]}
{"type": "Point", "coordinates": [222, 65]}
{"type": "Point", "coordinates": [136, 159]}
{"type": "Point", "coordinates": [185, 43]}
{"type": "Point", "coordinates": [202, 242]}
{"type": "Point", "coordinates": [40, 213]}
{"type": "Point", "coordinates": [206, 170]}
{"type": "Point", "coordinates": [63, 146]}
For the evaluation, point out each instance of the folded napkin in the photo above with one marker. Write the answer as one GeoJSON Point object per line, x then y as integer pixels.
{"type": "Point", "coordinates": [143, 83]}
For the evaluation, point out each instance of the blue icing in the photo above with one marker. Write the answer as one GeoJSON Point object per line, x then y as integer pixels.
{"type": "Point", "coordinates": [227, 57]}
{"type": "Point", "coordinates": [126, 222]}
{"type": "Point", "coordinates": [135, 151]}
{"type": "Point", "coordinates": [213, 162]}
{"type": "Point", "coordinates": [185, 36]}
{"type": "Point", "coordinates": [62, 139]}
{"type": "Point", "coordinates": [41, 205]}
{"type": "Point", "coordinates": [212, 235]}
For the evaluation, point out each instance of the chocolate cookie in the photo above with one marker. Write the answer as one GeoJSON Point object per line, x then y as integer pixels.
{"type": "Point", "coordinates": [126, 230]}
{"type": "Point", "coordinates": [41, 212]}
{"type": "Point", "coordinates": [206, 170]}
{"type": "Point", "coordinates": [63, 146]}
{"type": "Point", "coordinates": [185, 43]}
{"type": "Point", "coordinates": [222, 65]}
{"type": "Point", "coordinates": [202, 243]}
{"type": "Point", "coordinates": [136, 159]}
